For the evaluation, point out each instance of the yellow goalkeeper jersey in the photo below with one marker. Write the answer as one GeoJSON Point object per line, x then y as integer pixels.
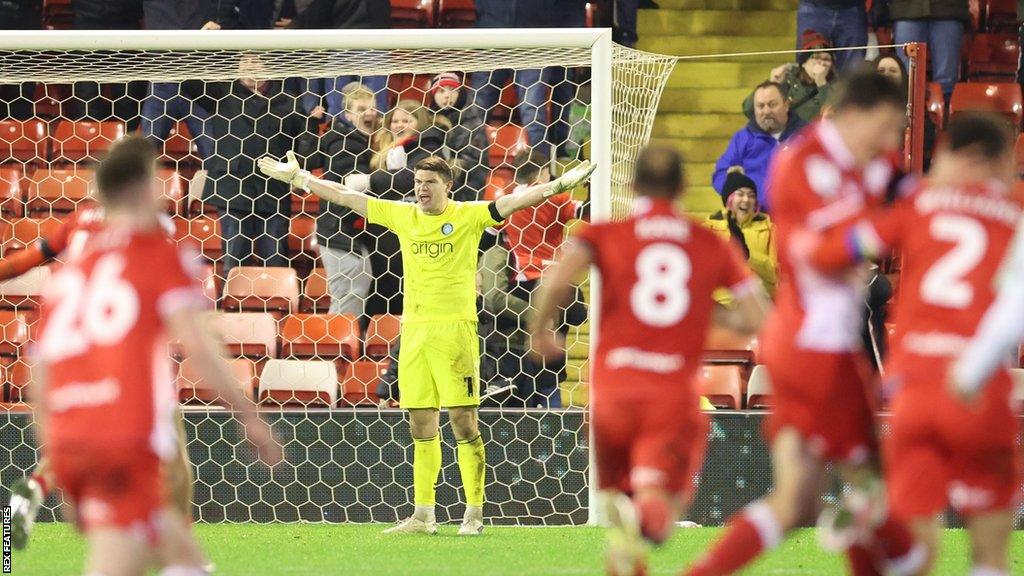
{"type": "Point", "coordinates": [439, 256]}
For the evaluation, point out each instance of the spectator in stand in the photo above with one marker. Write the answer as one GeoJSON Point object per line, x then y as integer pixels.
{"type": "Point", "coordinates": [532, 85]}
{"type": "Point", "coordinates": [17, 100]}
{"type": "Point", "coordinates": [347, 150]}
{"type": "Point", "coordinates": [940, 23]}
{"type": "Point", "coordinates": [753, 146]}
{"type": "Point", "coordinates": [807, 82]}
{"type": "Point", "coordinates": [742, 221]}
{"type": "Point", "coordinates": [165, 105]}
{"type": "Point", "coordinates": [119, 100]}
{"type": "Point", "coordinates": [466, 139]}
{"type": "Point", "coordinates": [251, 118]}
{"type": "Point", "coordinates": [339, 15]}
{"type": "Point", "coordinates": [844, 23]}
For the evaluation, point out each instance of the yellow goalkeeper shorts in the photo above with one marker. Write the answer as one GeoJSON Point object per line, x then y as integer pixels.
{"type": "Point", "coordinates": [439, 365]}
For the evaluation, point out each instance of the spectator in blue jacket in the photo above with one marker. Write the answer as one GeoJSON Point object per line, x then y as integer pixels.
{"type": "Point", "coordinates": [753, 146]}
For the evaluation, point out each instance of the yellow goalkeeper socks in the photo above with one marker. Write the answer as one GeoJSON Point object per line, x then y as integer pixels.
{"type": "Point", "coordinates": [426, 465]}
{"type": "Point", "coordinates": [473, 467]}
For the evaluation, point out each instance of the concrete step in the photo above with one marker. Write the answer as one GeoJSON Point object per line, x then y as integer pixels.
{"type": "Point", "coordinates": [710, 45]}
{"type": "Point", "coordinates": [716, 23]}
{"type": "Point", "coordinates": [699, 173]}
{"type": "Point", "coordinates": [577, 370]}
{"type": "Point", "coordinates": [695, 100]}
{"type": "Point", "coordinates": [701, 150]}
{"type": "Point", "coordinates": [710, 126]}
{"type": "Point", "coordinates": [575, 394]}
{"type": "Point", "coordinates": [712, 74]}
{"type": "Point", "coordinates": [701, 200]}
{"type": "Point", "coordinates": [744, 5]}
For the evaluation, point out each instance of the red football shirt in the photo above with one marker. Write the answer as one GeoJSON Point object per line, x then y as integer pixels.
{"type": "Point", "coordinates": [658, 270]}
{"type": "Point", "coordinates": [103, 337]}
{"type": "Point", "coordinates": [953, 241]}
{"type": "Point", "coordinates": [816, 185]}
{"type": "Point", "coordinates": [534, 234]}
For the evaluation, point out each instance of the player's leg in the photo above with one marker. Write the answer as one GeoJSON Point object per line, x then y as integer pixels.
{"type": "Point", "coordinates": [990, 536]}
{"type": "Point", "coordinates": [472, 466]}
{"type": "Point", "coordinates": [116, 552]}
{"type": "Point", "coordinates": [179, 477]}
{"type": "Point", "coordinates": [457, 372]}
{"type": "Point", "coordinates": [612, 425]}
{"type": "Point", "coordinates": [417, 393]}
{"type": "Point", "coordinates": [179, 553]}
{"type": "Point", "coordinates": [27, 496]}
{"type": "Point", "coordinates": [763, 524]}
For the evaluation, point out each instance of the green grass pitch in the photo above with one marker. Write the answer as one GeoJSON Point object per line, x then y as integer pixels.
{"type": "Point", "coordinates": [359, 549]}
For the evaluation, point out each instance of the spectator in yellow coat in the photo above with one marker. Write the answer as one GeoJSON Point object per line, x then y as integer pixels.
{"type": "Point", "coordinates": [743, 222]}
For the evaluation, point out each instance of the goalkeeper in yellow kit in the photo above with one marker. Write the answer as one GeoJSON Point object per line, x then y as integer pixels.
{"type": "Point", "coordinates": [439, 358]}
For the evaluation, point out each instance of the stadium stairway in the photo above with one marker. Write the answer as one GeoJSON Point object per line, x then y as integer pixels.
{"type": "Point", "coordinates": [701, 106]}
{"type": "Point", "coordinates": [700, 109]}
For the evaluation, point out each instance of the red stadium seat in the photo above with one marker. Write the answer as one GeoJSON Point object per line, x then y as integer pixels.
{"type": "Point", "coordinates": [506, 141]}
{"type": "Point", "coordinates": [500, 181]}
{"type": "Point", "coordinates": [593, 15]}
{"type": "Point", "coordinates": [23, 292]}
{"type": "Point", "coordinates": [410, 87]}
{"type": "Point", "coordinates": [11, 192]}
{"type": "Point", "coordinates": [323, 336]}
{"type": "Point", "coordinates": [993, 58]}
{"type": "Point", "coordinates": [315, 297]}
{"type": "Point", "coordinates": [179, 146]}
{"type": "Point", "coordinates": [16, 333]}
{"type": "Point", "coordinates": [22, 232]}
{"type": "Point", "coordinates": [723, 386]}
{"type": "Point", "coordinates": [726, 346]}
{"type": "Point", "coordinates": [57, 191]}
{"type": "Point", "coordinates": [18, 376]}
{"type": "Point", "coordinates": [174, 188]}
{"type": "Point", "coordinates": [360, 384]}
{"type": "Point", "coordinates": [305, 203]}
{"type": "Point", "coordinates": [1001, 16]}
{"type": "Point", "coordinates": [412, 13]}
{"type": "Point", "coordinates": [202, 232]}
{"type": "Point", "coordinates": [302, 236]}
{"type": "Point", "coordinates": [382, 334]}
{"type": "Point", "coordinates": [58, 15]}
{"type": "Point", "coordinates": [1018, 151]}
{"type": "Point", "coordinates": [759, 389]}
{"type": "Point", "coordinates": [261, 289]}
{"type": "Point", "coordinates": [974, 7]}
{"type": "Point", "coordinates": [23, 141]}
{"type": "Point", "coordinates": [210, 282]}
{"type": "Point", "coordinates": [456, 13]}
{"type": "Point", "coordinates": [192, 389]}
{"type": "Point", "coordinates": [307, 383]}
{"type": "Point", "coordinates": [84, 139]}
{"type": "Point", "coordinates": [1003, 98]}
{"type": "Point", "coordinates": [935, 104]}
{"type": "Point", "coordinates": [248, 334]}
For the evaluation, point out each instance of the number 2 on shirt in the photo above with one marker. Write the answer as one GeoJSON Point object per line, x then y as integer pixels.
{"type": "Point", "coordinates": [95, 311]}
{"type": "Point", "coordinates": [660, 296]}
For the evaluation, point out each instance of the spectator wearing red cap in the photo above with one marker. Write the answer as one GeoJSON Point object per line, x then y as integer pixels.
{"type": "Point", "coordinates": [843, 23]}
{"type": "Point", "coordinates": [807, 82]}
{"type": "Point", "coordinates": [466, 139]}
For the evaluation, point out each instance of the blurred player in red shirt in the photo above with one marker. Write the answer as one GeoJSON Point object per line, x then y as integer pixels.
{"type": "Point", "coordinates": [811, 345]}
{"type": "Point", "coordinates": [104, 396]}
{"type": "Point", "coordinates": [67, 241]}
{"type": "Point", "coordinates": [953, 233]}
{"type": "Point", "coordinates": [658, 270]}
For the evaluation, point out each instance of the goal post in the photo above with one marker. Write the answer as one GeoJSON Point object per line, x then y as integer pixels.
{"type": "Point", "coordinates": [348, 457]}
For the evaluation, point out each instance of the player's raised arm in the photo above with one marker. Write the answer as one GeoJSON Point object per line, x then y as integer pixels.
{"type": "Point", "coordinates": [554, 292]}
{"type": "Point", "coordinates": [537, 193]}
{"type": "Point", "coordinates": [746, 313]}
{"type": "Point", "coordinates": [290, 172]}
{"type": "Point", "coordinates": [1000, 330]}
{"type": "Point", "coordinates": [200, 345]}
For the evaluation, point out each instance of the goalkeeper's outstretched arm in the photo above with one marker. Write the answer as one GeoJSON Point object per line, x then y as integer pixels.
{"type": "Point", "coordinates": [334, 192]}
{"type": "Point", "coordinates": [536, 194]}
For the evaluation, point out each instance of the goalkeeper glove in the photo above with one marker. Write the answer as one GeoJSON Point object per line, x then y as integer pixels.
{"type": "Point", "coordinates": [573, 178]}
{"type": "Point", "coordinates": [287, 171]}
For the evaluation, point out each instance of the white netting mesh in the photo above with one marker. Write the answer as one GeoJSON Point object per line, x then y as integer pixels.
{"type": "Point", "coordinates": [309, 296]}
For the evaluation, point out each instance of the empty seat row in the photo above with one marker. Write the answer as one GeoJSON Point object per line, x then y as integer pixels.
{"type": "Point", "coordinates": [60, 191]}
{"type": "Point", "coordinates": [71, 141]}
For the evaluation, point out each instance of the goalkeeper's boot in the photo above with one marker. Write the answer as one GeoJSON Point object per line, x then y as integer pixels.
{"type": "Point", "coordinates": [472, 521]}
{"type": "Point", "coordinates": [626, 553]}
{"type": "Point", "coordinates": [414, 525]}
{"type": "Point", "coordinates": [26, 498]}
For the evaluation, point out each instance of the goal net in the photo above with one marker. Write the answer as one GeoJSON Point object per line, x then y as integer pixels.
{"type": "Point", "coordinates": [308, 297]}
